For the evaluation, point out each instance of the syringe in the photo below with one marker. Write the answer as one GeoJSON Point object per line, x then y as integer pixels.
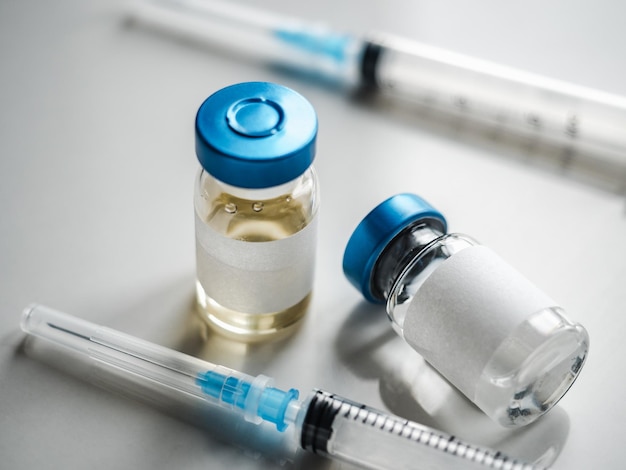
{"type": "Point", "coordinates": [324, 423]}
{"type": "Point", "coordinates": [581, 129]}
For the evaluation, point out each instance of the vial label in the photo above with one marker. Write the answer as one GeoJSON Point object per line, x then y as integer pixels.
{"type": "Point", "coordinates": [465, 309]}
{"type": "Point", "coordinates": [255, 277]}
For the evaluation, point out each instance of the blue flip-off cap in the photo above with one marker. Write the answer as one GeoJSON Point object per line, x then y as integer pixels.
{"type": "Point", "coordinates": [376, 230]}
{"type": "Point", "coordinates": [256, 134]}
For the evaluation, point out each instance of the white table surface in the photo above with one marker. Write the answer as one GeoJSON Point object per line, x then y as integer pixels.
{"type": "Point", "coordinates": [97, 166]}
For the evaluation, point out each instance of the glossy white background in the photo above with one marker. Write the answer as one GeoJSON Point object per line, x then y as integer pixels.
{"type": "Point", "coordinates": [97, 166]}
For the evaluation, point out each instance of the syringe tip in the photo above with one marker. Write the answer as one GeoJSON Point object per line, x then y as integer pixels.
{"type": "Point", "coordinates": [273, 405]}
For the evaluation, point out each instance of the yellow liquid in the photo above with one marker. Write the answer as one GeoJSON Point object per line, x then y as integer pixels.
{"type": "Point", "coordinates": [256, 221]}
{"type": "Point", "coordinates": [250, 326]}
{"type": "Point", "coordinates": [264, 294]}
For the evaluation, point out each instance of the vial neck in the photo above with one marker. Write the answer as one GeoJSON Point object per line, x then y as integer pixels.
{"type": "Point", "coordinates": [399, 252]}
{"type": "Point", "coordinates": [416, 269]}
{"type": "Point", "coordinates": [258, 193]}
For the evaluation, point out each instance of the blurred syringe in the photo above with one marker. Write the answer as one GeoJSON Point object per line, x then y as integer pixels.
{"type": "Point", "coordinates": [581, 128]}
{"type": "Point", "coordinates": [322, 423]}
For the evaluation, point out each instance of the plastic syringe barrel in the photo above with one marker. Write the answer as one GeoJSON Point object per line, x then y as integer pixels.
{"type": "Point", "coordinates": [345, 430]}
{"type": "Point", "coordinates": [252, 397]}
{"type": "Point", "coordinates": [506, 100]}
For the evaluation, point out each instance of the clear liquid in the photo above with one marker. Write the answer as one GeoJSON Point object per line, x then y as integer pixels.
{"type": "Point", "coordinates": [255, 263]}
{"type": "Point", "coordinates": [519, 388]}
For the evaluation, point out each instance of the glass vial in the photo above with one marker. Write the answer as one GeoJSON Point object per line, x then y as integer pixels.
{"type": "Point", "coordinates": [256, 201]}
{"type": "Point", "coordinates": [495, 336]}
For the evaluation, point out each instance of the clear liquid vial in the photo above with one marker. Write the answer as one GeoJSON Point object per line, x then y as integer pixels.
{"type": "Point", "coordinates": [495, 336]}
{"type": "Point", "coordinates": [256, 201]}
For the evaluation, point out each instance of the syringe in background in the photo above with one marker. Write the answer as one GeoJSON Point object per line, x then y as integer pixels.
{"type": "Point", "coordinates": [322, 423]}
{"type": "Point", "coordinates": [580, 129]}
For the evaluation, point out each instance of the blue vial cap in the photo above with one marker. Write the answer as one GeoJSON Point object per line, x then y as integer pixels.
{"type": "Point", "coordinates": [376, 230]}
{"type": "Point", "coordinates": [256, 134]}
